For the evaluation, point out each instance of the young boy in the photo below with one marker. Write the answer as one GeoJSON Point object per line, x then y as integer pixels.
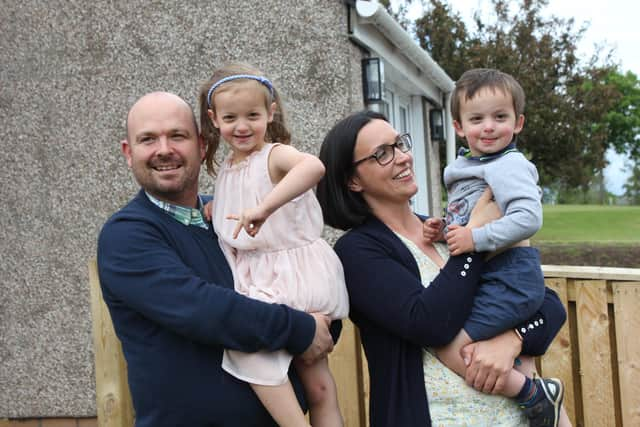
{"type": "Point", "coordinates": [487, 106]}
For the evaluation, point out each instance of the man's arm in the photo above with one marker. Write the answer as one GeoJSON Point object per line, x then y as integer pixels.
{"type": "Point", "coordinates": [141, 271]}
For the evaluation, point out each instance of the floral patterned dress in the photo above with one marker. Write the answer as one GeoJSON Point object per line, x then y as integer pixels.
{"type": "Point", "coordinates": [452, 403]}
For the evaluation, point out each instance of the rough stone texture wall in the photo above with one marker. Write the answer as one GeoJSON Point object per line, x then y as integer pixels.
{"type": "Point", "coordinates": [69, 70]}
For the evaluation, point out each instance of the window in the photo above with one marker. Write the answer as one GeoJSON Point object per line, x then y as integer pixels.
{"type": "Point", "coordinates": [402, 125]}
{"type": "Point", "coordinates": [387, 104]}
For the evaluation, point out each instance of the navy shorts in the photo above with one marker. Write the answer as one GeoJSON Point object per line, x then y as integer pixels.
{"type": "Point", "coordinates": [511, 291]}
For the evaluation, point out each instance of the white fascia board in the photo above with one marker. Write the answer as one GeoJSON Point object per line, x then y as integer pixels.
{"type": "Point", "coordinates": [376, 30]}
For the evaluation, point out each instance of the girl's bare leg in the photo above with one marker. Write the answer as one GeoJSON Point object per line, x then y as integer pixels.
{"type": "Point", "coordinates": [282, 404]}
{"type": "Point", "coordinates": [321, 392]}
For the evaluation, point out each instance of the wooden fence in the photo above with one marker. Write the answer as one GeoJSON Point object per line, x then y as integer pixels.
{"type": "Point", "coordinates": [113, 400]}
{"type": "Point", "coordinates": [596, 354]}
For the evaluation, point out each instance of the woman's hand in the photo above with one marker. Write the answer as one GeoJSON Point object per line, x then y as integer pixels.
{"type": "Point", "coordinates": [489, 362]}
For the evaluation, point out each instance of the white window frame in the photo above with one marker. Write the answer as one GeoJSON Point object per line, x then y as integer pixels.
{"type": "Point", "coordinates": [398, 99]}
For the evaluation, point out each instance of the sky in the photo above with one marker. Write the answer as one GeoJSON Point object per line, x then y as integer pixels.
{"type": "Point", "coordinates": [613, 23]}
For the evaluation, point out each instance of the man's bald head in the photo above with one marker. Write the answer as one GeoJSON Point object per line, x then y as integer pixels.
{"type": "Point", "coordinates": [154, 100]}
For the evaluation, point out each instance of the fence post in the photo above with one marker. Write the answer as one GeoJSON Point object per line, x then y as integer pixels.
{"type": "Point", "coordinates": [626, 304]}
{"type": "Point", "coordinates": [113, 399]}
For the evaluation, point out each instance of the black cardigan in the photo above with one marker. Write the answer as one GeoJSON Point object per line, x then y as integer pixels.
{"type": "Point", "coordinates": [397, 317]}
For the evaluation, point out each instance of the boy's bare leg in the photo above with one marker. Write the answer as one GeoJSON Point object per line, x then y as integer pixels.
{"type": "Point", "coordinates": [564, 418]}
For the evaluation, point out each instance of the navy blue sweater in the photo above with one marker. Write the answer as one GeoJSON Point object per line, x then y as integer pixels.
{"type": "Point", "coordinates": [170, 294]}
{"type": "Point", "coordinates": [397, 316]}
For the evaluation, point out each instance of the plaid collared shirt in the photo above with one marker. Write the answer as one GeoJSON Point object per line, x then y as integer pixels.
{"type": "Point", "coordinates": [186, 216]}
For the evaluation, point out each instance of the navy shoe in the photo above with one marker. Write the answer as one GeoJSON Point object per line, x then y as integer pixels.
{"type": "Point", "coordinates": [546, 411]}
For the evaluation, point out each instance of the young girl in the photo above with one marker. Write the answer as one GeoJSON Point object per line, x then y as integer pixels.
{"type": "Point", "coordinates": [283, 260]}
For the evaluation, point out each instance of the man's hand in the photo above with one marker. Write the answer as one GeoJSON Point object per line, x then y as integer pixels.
{"type": "Point", "coordinates": [322, 343]}
{"type": "Point", "coordinates": [460, 240]}
{"type": "Point", "coordinates": [208, 210]}
{"type": "Point", "coordinates": [490, 362]}
{"type": "Point", "coordinates": [432, 229]}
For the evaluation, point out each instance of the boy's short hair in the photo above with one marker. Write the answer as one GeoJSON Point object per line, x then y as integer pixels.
{"type": "Point", "coordinates": [475, 79]}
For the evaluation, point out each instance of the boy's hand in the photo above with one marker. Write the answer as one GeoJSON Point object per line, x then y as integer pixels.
{"type": "Point", "coordinates": [208, 210]}
{"type": "Point", "coordinates": [432, 229]}
{"type": "Point", "coordinates": [460, 240]}
{"type": "Point", "coordinates": [251, 220]}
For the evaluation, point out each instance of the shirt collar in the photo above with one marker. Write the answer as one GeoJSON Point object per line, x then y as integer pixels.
{"type": "Point", "coordinates": [184, 215]}
{"type": "Point", "coordinates": [465, 152]}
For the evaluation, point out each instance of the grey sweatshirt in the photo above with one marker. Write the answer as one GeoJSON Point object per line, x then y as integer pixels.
{"type": "Point", "coordinates": [514, 182]}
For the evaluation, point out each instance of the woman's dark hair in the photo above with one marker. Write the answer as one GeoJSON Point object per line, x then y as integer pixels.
{"type": "Point", "coordinates": [341, 207]}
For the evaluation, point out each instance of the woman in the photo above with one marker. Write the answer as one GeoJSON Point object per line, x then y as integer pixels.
{"type": "Point", "coordinates": [367, 188]}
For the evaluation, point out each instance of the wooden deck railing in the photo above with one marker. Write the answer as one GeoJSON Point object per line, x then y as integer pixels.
{"type": "Point", "coordinates": [596, 354]}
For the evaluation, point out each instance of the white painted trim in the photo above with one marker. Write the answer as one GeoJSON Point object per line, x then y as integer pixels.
{"type": "Point", "coordinates": [413, 80]}
{"type": "Point", "coordinates": [418, 128]}
{"type": "Point", "coordinates": [374, 14]}
{"type": "Point", "coordinates": [373, 28]}
{"type": "Point", "coordinates": [449, 129]}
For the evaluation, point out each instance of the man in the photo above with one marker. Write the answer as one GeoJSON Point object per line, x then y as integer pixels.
{"type": "Point", "coordinates": [170, 291]}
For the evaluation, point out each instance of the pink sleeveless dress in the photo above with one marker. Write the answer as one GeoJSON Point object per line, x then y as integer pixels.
{"type": "Point", "coordinates": [287, 262]}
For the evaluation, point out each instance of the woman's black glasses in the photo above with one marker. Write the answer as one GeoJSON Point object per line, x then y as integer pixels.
{"type": "Point", "coordinates": [385, 154]}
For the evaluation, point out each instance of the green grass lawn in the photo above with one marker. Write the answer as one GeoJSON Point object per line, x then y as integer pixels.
{"type": "Point", "coordinates": [590, 223]}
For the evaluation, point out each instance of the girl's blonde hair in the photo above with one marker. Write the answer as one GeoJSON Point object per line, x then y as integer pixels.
{"type": "Point", "coordinates": [276, 130]}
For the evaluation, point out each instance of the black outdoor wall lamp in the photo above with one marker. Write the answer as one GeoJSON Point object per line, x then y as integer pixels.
{"type": "Point", "coordinates": [436, 125]}
{"type": "Point", "coordinates": [371, 80]}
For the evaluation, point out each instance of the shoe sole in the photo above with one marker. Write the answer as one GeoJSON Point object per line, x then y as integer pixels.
{"type": "Point", "coordinates": [556, 404]}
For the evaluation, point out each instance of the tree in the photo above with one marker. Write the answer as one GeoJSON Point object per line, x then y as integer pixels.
{"type": "Point", "coordinates": [632, 186]}
{"type": "Point", "coordinates": [443, 34]}
{"type": "Point", "coordinates": [622, 122]}
{"type": "Point", "coordinates": [564, 97]}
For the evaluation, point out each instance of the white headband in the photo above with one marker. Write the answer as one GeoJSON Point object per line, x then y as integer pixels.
{"type": "Point", "coordinates": [260, 79]}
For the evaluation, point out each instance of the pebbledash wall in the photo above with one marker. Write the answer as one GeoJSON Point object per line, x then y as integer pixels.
{"type": "Point", "coordinates": [69, 71]}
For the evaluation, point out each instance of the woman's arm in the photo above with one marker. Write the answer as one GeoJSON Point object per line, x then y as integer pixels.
{"type": "Point", "coordinates": [384, 290]}
{"type": "Point", "coordinates": [489, 361]}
